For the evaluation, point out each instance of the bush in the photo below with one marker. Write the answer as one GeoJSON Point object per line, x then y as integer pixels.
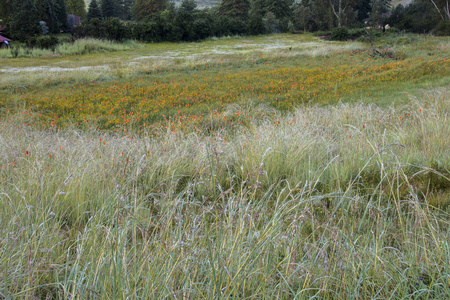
{"type": "Point", "coordinates": [356, 33]}
{"type": "Point", "coordinates": [443, 28]}
{"type": "Point", "coordinates": [115, 29]}
{"type": "Point", "coordinates": [322, 33]}
{"type": "Point", "coordinates": [145, 32]}
{"type": "Point", "coordinates": [43, 42]}
{"type": "Point", "coordinates": [339, 34]}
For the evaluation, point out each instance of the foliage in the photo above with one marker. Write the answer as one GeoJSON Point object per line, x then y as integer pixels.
{"type": "Point", "coordinates": [256, 25]}
{"type": "Point", "coordinates": [280, 8]}
{"type": "Point", "coordinates": [46, 13]}
{"type": "Point", "coordinates": [378, 9]}
{"type": "Point", "coordinates": [363, 9]}
{"type": "Point", "coordinates": [339, 34]}
{"type": "Point", "coordinates": [61, 14]}
{"type": "Point", "coordinates": [343, 11]}
{"type": "Point", "coordinates": [6, 9]}
{"type": "Point", "coordinates": [25, 20]}
{"type": "Point", "coordinates": [43, 42]}
{"type": "Point", "coordinates": [44, 27]}
{"type": "Point", "coordinates": [79, 47]}
{"type": "Point", "coordinates": [115, 30]}
{"type": "Point", "coordinates": [443, 28]}
{"type": "Point", "coordinates": [94, 11]}
{"type": "Point", "coordinates": [146, 8]}
{"type": "Point", "coordinates": [417, 17]}
{"type": "Point", "coordinates": [109, 8]}
{"type": "Point", "coordinates": [235, 8]}
{"type": "Point", "coordinates": [302, 16]}
{"type": "Point", "coordinates": [76, 7]}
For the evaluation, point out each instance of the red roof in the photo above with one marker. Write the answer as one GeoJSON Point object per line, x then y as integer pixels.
{"type": "Point", "coordinates": [3, 39]}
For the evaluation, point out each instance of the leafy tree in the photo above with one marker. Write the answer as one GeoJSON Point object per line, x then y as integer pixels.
{"type": "Point", "coordinates": [184, 20]}
{"type": "Point", "coordinates": [6, 9]}
{"type": "Point", "coordinates": [256, 25]}
{"type": "Point", "coordinates": [76, 7]}
{"type": "Point", "coordinates": [109, 9]}
{"type": "Point", "coordinates": [24, 20]}
{"type": "Point", "coordinates": [270, 22]}
{"type": "Point", "coordinates": [302, 16]}
{"type": "Point", "coordinates": [322, 15]}
{"type": "Point", "coordinates": [125, 9]}
{"type": "Point", "coordinates": [235, 8]}
{"type": "Point", "coordinates": [362, 8]}
{"type": "Point", "coordinates": [343, 11]}
{"type": "Point", "coordinates": [46, 13]}
{"type": "Point", "coordinates": [94, 11]}
{"type": "Point", "coordinates": [61, 14]}
{"type": "Point", "coordinates": [114, 29]}
{"type": "Point", "coordinates": [420, 16]}
{"type": "Point", "coordinates": [146, 8]}
{"type": "Point", "coordinates": [443, 8]}
{"type": "Point", "coordinates": [378, 9]}
{"type": "Point", "coordinates": [280, 8]}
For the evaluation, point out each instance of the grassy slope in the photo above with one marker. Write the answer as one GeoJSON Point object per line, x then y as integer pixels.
{"type": "Point", "coordinates": [325, 201]}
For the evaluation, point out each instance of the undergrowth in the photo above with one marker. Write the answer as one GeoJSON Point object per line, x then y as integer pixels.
{"type": "Point", "coordinates": [78, 47]}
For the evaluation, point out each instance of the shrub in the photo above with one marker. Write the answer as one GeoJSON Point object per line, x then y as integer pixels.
{"type": "Point", "coordinates": [321, 33]}
{"type": "Point", "coordinates": [443, 28]}
{"type": "Point", "coordinates": [43, 42]}
{"type": "Point", "coordinates": [115, 29]}
{"type": "Point", "coordinates": [339, 34]}
{"type": "Point", "coordinates": [356, 32]}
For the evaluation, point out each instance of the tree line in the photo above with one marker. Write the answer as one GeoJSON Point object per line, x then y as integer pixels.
{"type": "Point", "coordinates": [162, 20]}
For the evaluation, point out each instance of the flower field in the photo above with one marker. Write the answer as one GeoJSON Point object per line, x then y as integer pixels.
{"type": "Point", "coordinates": [179, 94]}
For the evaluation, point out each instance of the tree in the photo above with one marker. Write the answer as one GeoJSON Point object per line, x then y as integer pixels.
{"type": "Point", "coordinates": [343, 11]}
{"type": "Point", "coordinates": [109, 9]}
{"type": "Point", "coordinates": [94, 11]}
{"type": "Point", "coordinates": [362, 8]}
{"type": "Point", "coordinates": [379, 9]}
{"type": "Point", "coordinates": [235, 8]}
{"type": "Point", "coordinates": [76, 7]}
{"type": "Point", "coordinates": [146, 8]}
{"type": "Point", "coordinates": [443, 8]}
{"type": "Point", "coordinates": [46, 13]}
{"type": "Point", "coordinates": [280, 8]}
{"type": "Point", "coordinates": [125, 9]}
{"type": "Point", "coordinates": [6, 9]}
{"type": "Point", "coordinates": [302, 16]}
{"type": "Point", "coordinates": [184, 20]}
{"type": "Point", "coordinates": [24, 20]}
{"type": "Point", "coordinates": [61, 14]}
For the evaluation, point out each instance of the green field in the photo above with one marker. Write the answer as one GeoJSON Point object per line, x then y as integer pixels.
{"type": "Point", "coordinates": [279, 166]}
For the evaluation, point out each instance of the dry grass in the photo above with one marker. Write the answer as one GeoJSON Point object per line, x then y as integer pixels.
{"type": "Point", "coordinates": [328, 202]}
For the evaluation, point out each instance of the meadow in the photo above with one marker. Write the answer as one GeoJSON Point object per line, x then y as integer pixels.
{"type": "Point", "coordinates": [278, 166]}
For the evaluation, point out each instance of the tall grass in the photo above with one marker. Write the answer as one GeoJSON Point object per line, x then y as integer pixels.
{"type": "Point", "coordinates": [78, 47]}
{"type": "Point", "coordinates": [349, 201]}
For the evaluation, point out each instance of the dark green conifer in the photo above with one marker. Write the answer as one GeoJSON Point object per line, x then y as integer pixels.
{"type": "Point", "coordinates": [94, 11]}
{"type": "Point", "coordinates": [61, 14]}
{"type": "Point", "coordinates": [108, 8]}
{"type": "Point", "coordinates": [235, 8]}
{"type": "Point", "coordinates": [24, 20]}
{"type": "Point", "coordinates": [76, 7]}
{"type": "Point", "coordinates": [146, 8]}
{"type": "Point", "coordinates": [46, 13]}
